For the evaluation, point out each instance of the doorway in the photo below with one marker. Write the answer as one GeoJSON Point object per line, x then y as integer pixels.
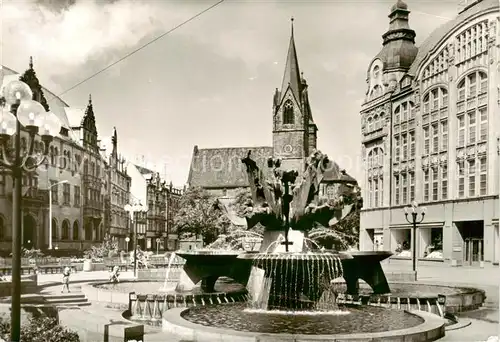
{"type": "Point", "coordinates": [472, 233]}
{"type": "Point", "coordinates": [29, 225]}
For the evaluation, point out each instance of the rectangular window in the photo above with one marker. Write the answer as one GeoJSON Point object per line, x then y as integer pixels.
{"type": "Point", "coordinates": [472, 127]}
{"type": "Point", "coordinates": [55, 191]}
{"type": "Point", "coordinates": [444, 182]}
{"type": "Point", "coordinates": [426, 140]}
{"type": "Point", "coordinates": [396, 190]}
{"type": "Point", "coordinates": [412, 144]}
{"type": "Point", "coordinates": [461, 94]}
{"type": "Point", "coordinates": [445, 99]}
{"type": "Point", "coordinates": [461, 179]}
{"type": "Point", "coordinates": [471, 172]}
{"type": "Point", "coordinates": [426, 185]}
{"type": "Point", "coordinates": [483, 169]}
{"type": "Point", "coordinates": [375, 193]}
{"type": "Point", "coordinates": [435, 138]}
{"type": "Point", "coordinates": [404, 190]}
{"type": "Point", "coordinates": [472, 85]}
{"type": "Point", "coordinates": [483, 133]}
{"type": "Point", "coordinates": [444, 135]}
{"type": "Point", "coordinates": [461, 130]}
{"type": "Point", "coordinates": [411, 177]}
{"type": "Point", "coordinates": [435, 184]}
{"type": "Point", "coordinates": [396, 149]}
{"type": "Point", "coordinates": [76, 200]}
{"type": "Point", "coordinates": [484, 85]}
{"type": "Point", "coordinates": [66, 194]}
{"type": "Point", "coordinates": [381, 191]}
{"type": "Point", "coordinates": [405, 146]}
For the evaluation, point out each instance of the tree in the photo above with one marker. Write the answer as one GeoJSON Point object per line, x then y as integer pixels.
{"type": "Point", "coordinates": [29, 77]}
{"type": "Point", "coordinates": [199, 214]}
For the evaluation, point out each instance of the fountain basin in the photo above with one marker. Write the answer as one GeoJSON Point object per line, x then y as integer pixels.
{"type": "Point", "coordinates": [417, 326]}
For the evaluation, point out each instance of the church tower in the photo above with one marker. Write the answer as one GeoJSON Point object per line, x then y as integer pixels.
{"type": "Point", "coordinates": [294, 131]}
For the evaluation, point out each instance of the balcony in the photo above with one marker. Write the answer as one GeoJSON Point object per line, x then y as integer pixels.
{"type": "Point", "coordinates": [373, 135]}
{"type": "Point", "coordinates": [92, 181]}
{"type": "Point", "coordinates": [92, 209]}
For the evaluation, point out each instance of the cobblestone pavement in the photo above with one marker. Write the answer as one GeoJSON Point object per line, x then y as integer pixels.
{"type": "Point", "coordinates": [89, 321]}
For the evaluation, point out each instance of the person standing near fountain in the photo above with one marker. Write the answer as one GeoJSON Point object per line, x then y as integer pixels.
{"type": "Point", "coordinates": [65, 279]}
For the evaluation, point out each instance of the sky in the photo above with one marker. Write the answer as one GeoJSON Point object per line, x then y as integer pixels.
{"type": "Point", "coordinates": [211, 82]}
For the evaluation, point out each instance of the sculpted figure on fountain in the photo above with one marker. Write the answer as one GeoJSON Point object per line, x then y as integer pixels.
{"type": "Point", "coordinates": [308, 207]}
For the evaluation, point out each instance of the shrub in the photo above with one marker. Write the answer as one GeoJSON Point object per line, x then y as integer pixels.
{"type": "Point", "coordinates": [41, 329]}
{"type": "Point", "coordinates": [106, 248]}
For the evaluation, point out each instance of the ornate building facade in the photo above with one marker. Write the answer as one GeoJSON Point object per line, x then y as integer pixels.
{"type": "Point", "coordinates": [161, 201]}
{"type": "Point", "coordinates": [74, 173]}
{"type": "Point", "coordinates": [116, 218]}
{"type": "Point", "coordinates": [429, 134]}
{"type": "Point", "coordinates": [220, 170]}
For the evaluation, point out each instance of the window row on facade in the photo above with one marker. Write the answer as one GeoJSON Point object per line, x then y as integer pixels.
{"type": "Point", "coordinates": [471, 131]}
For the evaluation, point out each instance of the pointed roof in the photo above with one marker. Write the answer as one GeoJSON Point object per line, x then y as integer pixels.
{"type": "Point", "coordinates": [291, 78]}
{"type": "Point", "coordinates": [89, 117]}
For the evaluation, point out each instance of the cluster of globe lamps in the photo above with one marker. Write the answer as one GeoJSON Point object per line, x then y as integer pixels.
{"type": "Point", "coordinates": [21, 113]}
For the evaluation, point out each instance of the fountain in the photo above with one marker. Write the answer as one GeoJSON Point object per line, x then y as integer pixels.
{"type": "Point", "coordinates": [289, 276]}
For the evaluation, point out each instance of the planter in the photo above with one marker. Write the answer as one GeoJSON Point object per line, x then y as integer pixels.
{"type": "Point", "coordinates": [87, 265]}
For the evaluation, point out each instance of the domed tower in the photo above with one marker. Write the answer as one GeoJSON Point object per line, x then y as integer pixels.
{"type": "Point", "coordinates": [397, 55]}
{"type": "Point", "coordinates": [399, 41]}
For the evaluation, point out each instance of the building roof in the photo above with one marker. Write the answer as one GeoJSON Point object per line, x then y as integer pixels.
{"type": "Point", "coordinates": [291, 77]}
{"type": "Point", "coordinates": [442, 32]}
{"type": "Point", "coordinates": [334, 174]}
{"type": "Point", "coordinates": [222, 167]}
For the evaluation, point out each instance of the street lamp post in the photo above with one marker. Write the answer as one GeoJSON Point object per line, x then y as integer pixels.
{"type": "Point", "coordinates": [33, 117]}
{"type": "Point", "coordinates": [127, 240]}
{"type": "Point", "coordinates": [50, 210]}
{"type": "Point", "coordinates": [414, 210]}
{"type": "Point", "coordinates": [132, 210]}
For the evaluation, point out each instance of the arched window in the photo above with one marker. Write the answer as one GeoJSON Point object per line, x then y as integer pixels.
{"type": "Point", "coordinates": [86, 167]}
{"type": "Point", "coordinates": [288, 115]}
{"type": "Point", "coordinates": [369, 124]}
{"type": "Point", "coordinates": [76, 231]}
{"type": "Point", "coordinates": [65, 230]}
{"type": "Point", "coordinates": [375, 122]}
{"type": "Point", "coordinates": [472, 117]}
{"type": "Point", "coordinates": [376, 71]}
{"type": "Point", "coordinates": [2, 229]}
{"type": "Point", "coordinates": [55, 235]}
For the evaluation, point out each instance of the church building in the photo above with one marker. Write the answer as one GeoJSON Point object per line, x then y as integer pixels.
{"type": "Point", "coordinates": [220, 170]}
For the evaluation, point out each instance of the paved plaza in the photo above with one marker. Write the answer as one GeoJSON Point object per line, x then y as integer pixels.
{"type": "Point", "coordinates": [89, 321]}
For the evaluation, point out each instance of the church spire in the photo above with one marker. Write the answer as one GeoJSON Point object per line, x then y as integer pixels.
{"type": "Point", "coordinates": [291, 78]}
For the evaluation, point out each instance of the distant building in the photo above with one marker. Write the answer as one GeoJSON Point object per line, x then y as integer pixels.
{"type": "Point", "coordinates": [429, 133]}
{"type": "Point", "coordinates": [74, 159]}
{"type": "Point", "coordinates": [151, 191]}
{"type": "Point", "coordinates": [220, 170]}
{"type": "Point", "coordinates": [173, 204]}
{"type": "Point", "coordinates": [117, 219]}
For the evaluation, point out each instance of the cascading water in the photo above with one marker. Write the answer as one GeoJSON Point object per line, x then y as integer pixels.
{"type": "Point", "coordinates": [297, 281]}
{"type": "Point", "coordinates": [167, 274]}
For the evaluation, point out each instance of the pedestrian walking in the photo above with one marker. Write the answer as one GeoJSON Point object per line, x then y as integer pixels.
{"type": "Point", "coordinates": [65, 279]}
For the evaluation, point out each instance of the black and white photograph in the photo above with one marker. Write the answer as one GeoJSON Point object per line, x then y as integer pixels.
{"type": "Point", "coordinates": [249, 170]}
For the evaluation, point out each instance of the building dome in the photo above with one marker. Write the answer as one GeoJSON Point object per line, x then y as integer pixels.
{"type": "Point", "coordinates": [399, 5]}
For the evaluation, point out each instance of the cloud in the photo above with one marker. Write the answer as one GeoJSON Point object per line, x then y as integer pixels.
{"type": "Point", "coordinates": [67, 35]}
